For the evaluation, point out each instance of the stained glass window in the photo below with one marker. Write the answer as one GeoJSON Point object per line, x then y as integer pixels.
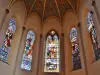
{"type": "Point", "coordinates": [93, 36]}
{"type": "Point", "coordinates": [75, 49]}
{"type": "Point", "coordinates": [27, 56]}
{"type": "Point", "coordinates": [5, 48]}
{"type": "Point", "coordinates": [52, 54]}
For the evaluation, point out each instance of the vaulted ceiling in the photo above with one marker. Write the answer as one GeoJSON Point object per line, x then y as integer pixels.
{"type": "Point", "coordinates": [46, 8]}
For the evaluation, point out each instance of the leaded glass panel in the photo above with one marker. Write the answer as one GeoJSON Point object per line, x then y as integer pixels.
{"type": "Point", "coordinates": [5, 48]}
{"type": "Point", "coordinates": [27, 56]}
{"type": "Point", "coordinates": [75, 49]}
{"type": "Point", "coordinates": [93, 36]}
{"type": "Point", "coordinates": [52, 54]}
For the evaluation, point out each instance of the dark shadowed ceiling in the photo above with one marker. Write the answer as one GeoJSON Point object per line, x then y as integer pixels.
{"type": "Point", "coordinates": [46, 8]}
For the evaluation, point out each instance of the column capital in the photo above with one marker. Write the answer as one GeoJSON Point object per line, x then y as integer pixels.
{"type": "Point", "coordinates": [7, 11]}
{"type": "Point", "coordinates": [41, 35]}
{"type": "Point", "coordinates": [79, 24]}
{"type": "Point", "coordinates": [93, 3]}
{"type": "Point", "coordinates": [62, 34]}
{"type": "Point", "coordinates": [23, 27]}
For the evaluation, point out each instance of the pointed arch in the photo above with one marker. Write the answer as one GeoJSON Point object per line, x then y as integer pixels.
{"type": "Point", "coordinates": [27, 56]}
{"type": "Point", "coordinates": [5, 48]}
{"type": "Point", "coordinates": [93, 35]}
{"type": "Point", "coordinates": [52, 52]}
{"type": "Point", "coordinates": [75, 49]}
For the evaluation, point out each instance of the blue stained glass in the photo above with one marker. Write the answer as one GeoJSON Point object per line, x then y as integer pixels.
{"type": "Point", "coordinates": [75, 49]}
{"type": "Point", "coordinates": [27, 56]}
{"type": "Point", "coordinates": [5, 48]}
{"type": "Point", "coordinates": [52, 53]}
{"type": "Point", "coordinates": [93, 36]}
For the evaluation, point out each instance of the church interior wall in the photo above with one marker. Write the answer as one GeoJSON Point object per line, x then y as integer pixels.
{"type": "Point", "coordinates": [51, 23]}
{"type": "Point", "coordinates": [19, 15]}
{"type": "Point", "coordinates": [92, 65]}
{"type": "Point", "coordinates": [34, 23]}
{"type": "Point", "coordinates": [70, 20]}
{"type": "Point", "coordinates": [3, 5]}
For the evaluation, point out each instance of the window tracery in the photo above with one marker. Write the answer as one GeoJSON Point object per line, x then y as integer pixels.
{"type": "Point", "coordinates": [52, 54]}
{"type": "Point", "coordinates": [93, 36]}
{"type": "Point", "coordinates": [75, 49]}
{"type": "Point", "coordinates": [5, 49]}
{"type": "Point", "coordinates": [27, 56]}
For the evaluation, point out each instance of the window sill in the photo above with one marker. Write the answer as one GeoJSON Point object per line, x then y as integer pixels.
{"type": "Point", "coordinates": [5, 62]}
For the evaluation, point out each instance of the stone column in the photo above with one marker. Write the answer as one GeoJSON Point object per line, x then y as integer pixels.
{"type": "Point", "coordinates": [62, 55]}
{"type": "Point", "coordinates": [96, 11]}
{"type": "Point", "coordinates": [15, 66]}
{"type": "Point", "coordinates": [82, 48]}
{"type": "Point", "coordinates": [4, 18]}
{"type": "Point", "coordinates": [40, 56]}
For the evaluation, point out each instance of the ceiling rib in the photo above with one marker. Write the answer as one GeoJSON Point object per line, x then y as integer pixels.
{"type": "Point", "coordinates": [25, 6]}
{"type": "Point", "coordinates": [78, 1]}
{"type": "Point", "coordinates": [71, 5]}
{"type": "Point", "coordinates": [58, 9]}
{"type": "Point", "coordinates": [31, 7]}
{"type": "Point", "coordinates": [56, 5]}
{"type": "Point", "coordinates": [44, 10]}
{"type": "Point", "coordinates": [11, 2]}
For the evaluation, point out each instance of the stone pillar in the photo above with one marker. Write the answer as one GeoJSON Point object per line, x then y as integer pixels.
{"type": "Point", "coordinates": [4, 18]}
{"type": "Point", "coordinates": [82, 48]}
{"type": "Point", "coordinates": [96, 11]}
{"type": "Point", "coordinates": [62, 55]}
{"type": "Point", "coordinates": [40, 64]}
{"type": "Point", "coordinates": [15, 66]}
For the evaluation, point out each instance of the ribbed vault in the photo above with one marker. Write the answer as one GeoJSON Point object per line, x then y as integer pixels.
{"type": "Point", "coordinates": [46, 8]}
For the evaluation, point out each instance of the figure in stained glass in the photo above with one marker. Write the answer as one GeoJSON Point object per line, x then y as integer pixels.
{"type": "Point", "coordinates": [52, 53]}
{"type": "Point", "coordinates": [27, 56]}
{"type": "Point", "coordinates": [75, 49]}
{"type": "Point", "coordinates": [4, 50]}
{"type": "Point", "coordinates": [93, 36]}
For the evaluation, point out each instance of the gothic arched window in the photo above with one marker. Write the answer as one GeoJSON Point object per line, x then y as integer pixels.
{"type": "Point", "coordinates": [75, 49]}
{"type": "Point", "coordinates": [27, 56]}
{"type": "Point", "coordinates": [93, 35]}
{"type": "Point", "coordinates": [5, 49]}
{"type": "Point", "coordinates": [52, 52]}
